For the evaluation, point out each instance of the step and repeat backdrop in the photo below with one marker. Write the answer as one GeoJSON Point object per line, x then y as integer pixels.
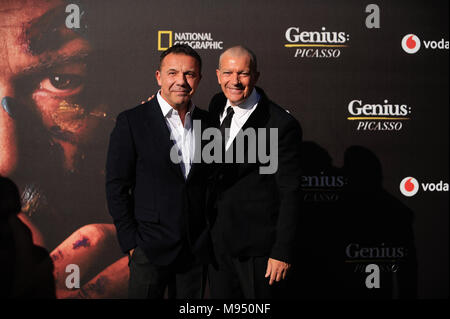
{"type": "Point", "coordinates": [367, 80]}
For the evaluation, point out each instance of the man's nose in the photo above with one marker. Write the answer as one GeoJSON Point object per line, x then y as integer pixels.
{"type": "Point", "coordinates": [8, 138]}
{"type": "Point", "coordinates": [235, 79]}
{"type": "Point", "coordinates": [7, 100]}
{"type": "Point", "coordinates": [9, 105]}
{"type": "Point", "coordinates": [182, 80]}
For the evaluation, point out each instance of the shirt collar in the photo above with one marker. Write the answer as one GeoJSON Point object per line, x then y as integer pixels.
{"type": "Point", "coordinates": [167, 109]}
{"type": "Point", "coordinates": [244, 107]}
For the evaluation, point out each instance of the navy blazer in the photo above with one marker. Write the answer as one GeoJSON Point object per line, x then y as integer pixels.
{"type": "Point", "coordinates": [254, 214]}
{"type": "Point", "coordinates": [151, 203]}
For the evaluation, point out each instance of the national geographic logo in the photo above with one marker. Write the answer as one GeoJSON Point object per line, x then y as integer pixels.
{"type": "Point", "coordinates": [316, 44]}
{"type": "Point", "coordinates": [196, 40]}
{"type": "Point", "coordinates": [378, 117]}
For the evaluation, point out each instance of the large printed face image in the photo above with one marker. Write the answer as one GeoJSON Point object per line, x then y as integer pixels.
{"type": "Point", "coordinates": [53, 132]}
{"type": "Point", "coordinates": [61, 89]}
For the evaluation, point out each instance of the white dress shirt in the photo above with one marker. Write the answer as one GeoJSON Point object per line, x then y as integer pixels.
{"type": "Point", "coordinates": [182, 136]}
{"type": "Point", "coordinates": [241, 114]}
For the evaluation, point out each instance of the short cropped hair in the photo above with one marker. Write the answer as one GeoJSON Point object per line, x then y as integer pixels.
{"type": "Point", "coordinates": [238, 50]}
{"type": "Point", "coordinates": [181, 49]}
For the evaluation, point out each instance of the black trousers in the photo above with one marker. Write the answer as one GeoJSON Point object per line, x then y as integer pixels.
{"type": "Point", "coordinates": [242, 277]}
{"type": "Point", "coordinates": [184, 279]}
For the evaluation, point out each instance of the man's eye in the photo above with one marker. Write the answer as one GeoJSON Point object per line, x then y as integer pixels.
{"type": "Point", "coordinates": [64, 82]}
{"type": "Point", "coordinates": [61, 82]}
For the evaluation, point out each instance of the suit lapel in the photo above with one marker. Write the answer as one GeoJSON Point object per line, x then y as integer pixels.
{"type": "Point", "coordinates": [257, 119]}
{"type": "Point", "coordinates": [160, 134]}
{"type": "Point", "coordinates": [259, 116]}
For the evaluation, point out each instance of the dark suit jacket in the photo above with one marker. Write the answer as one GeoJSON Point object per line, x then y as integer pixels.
{"type": "Point", "coordinates": [151, 203]}
{"type": "Point", "coordinates": [255, 214]}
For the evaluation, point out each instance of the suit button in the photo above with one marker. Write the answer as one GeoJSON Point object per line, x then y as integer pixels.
{"type": "Point", "coordinates": [220, 177]}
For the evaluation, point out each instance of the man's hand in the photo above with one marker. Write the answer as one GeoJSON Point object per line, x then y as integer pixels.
{"type": "Point", "coordinates": [104, 270]}
{"type": "Point", "coordinates": [276, 270]}
{"type": "Point", "coordinates": [131, 251]}
{"type": "Point", "coordinates": [148, 99]}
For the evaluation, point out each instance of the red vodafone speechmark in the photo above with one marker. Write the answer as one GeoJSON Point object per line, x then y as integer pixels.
{"type": "Point", "coordinates": [410, 43]}
{"type": "Point", "coordinates": [409, 186]}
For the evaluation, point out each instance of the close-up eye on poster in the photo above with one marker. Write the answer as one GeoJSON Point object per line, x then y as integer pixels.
{"type": "Point", "coordinates": [227, 158]}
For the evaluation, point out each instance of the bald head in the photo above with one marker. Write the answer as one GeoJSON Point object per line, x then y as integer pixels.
{"type": "Point", "coordinates": [237, 52]}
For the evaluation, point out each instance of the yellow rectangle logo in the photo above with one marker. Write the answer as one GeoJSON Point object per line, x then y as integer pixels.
{"type": "Point", "coordinates": [160, 40]}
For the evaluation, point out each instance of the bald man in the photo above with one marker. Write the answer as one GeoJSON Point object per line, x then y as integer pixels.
{"type": "Point", "coordinates": [254, 214]}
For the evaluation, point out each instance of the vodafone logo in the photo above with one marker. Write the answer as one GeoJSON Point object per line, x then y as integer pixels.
{"type": "Point", "coordinates": [409, 186]}
{"type": "Point", "coordinates": [411, 43]}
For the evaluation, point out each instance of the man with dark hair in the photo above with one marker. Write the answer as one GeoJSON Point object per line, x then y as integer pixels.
{"type": "Point", "coordinates": [181, 49]}
{"type": "Point", "coordinates": [158, 204]}
{"type": "Point", "coordinates": [254, 224]}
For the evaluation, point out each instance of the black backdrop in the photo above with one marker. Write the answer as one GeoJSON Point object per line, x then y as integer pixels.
{"type": "Point", "coordinates": [367, 209]}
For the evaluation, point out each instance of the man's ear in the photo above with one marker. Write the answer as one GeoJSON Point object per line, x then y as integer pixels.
{"type": "Point", "coordinates": [158, 77]}
{"type": "Point", "coordinates": [218, 75]}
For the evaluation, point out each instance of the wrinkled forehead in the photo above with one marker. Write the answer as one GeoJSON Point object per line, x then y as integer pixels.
{"type": "Point", "coordinates": [37, 26]}
{"type": "Point", "coordinates": [33, 37]}
{"type": "Point", "coordinates": [179, 61]}
{"type": "Point", "coordinates": [241, 60]}
{"type": "Point", "coordinates": [18, 12]}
